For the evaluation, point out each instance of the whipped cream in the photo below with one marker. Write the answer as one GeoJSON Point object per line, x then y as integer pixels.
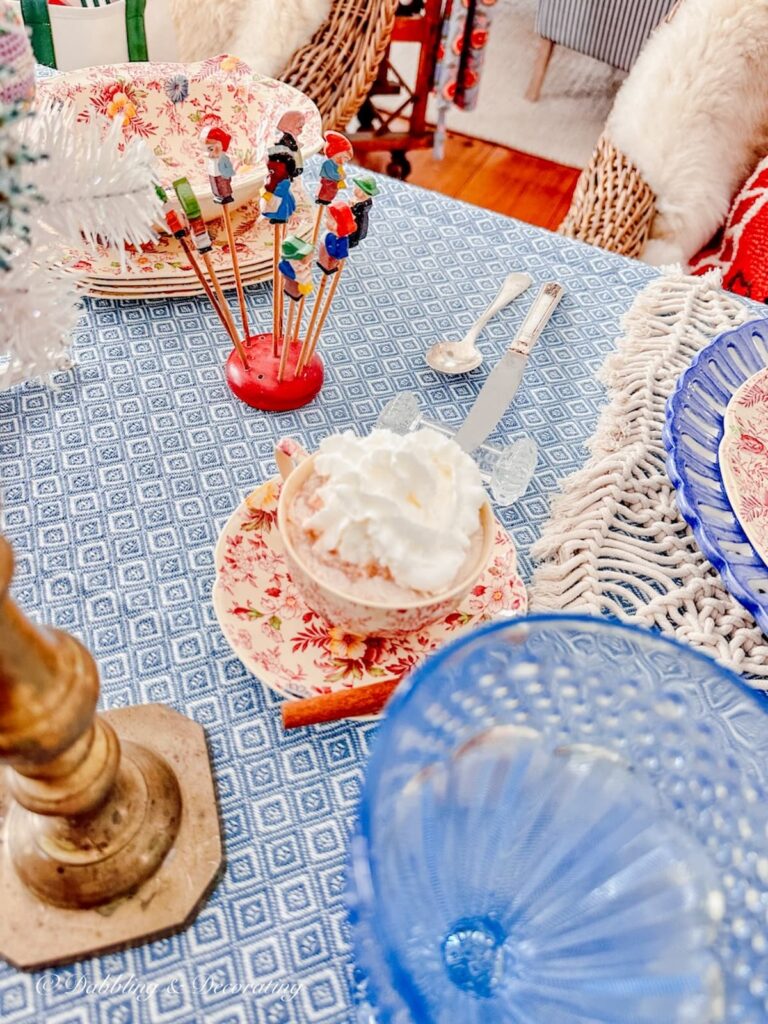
{"type": "Point", "coordinates": [409, 504]}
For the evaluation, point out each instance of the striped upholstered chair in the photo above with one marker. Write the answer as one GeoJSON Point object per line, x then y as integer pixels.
{"type": "Point", "coordinates": [609, 30]}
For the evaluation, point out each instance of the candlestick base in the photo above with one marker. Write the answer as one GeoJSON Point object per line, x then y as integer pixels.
{"type": "Point", "coordinates": [258, 386]}
{"type": "Point", "coordinates": [36, 934]}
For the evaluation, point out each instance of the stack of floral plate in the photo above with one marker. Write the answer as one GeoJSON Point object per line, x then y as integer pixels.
{"type": "Point", "coordinates": [166, 105]}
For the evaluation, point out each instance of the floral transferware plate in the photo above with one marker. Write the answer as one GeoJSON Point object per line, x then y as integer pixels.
{"type": "Point", "coordinates": [168, 104]}
{"type": "Point", "coordinates": [164, 262]}
{"type": "Point", "coordinates": [693, 432]}
{"type": "Point", "coordinates": [175, 291]}
{"type": "Point", "coordinates": [744, 459]}
{"type": "Point", "coordinates": [290, 647]}
{"type": "Point", "coordinates": [152, 287]}
{"type": "Point", "coordinates": [163, 285]}
{"type": "Point", "coordinates": [190, 292]}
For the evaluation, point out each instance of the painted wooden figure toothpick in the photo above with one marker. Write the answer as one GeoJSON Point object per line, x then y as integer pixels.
{"type": "Point", "coordinates": [203, 243]}
{"type": "Point", "coordinates": [296, 268]}
{"type": "Point", "coordinates": [193, 213]}
{"type": "Point", "coordinates": [334, 250]}
{"type": "Point", "coordinates": [278, 205]}
{"type": "Point", "coordinates": [180, 232]}
{"type": "Point", "coordinates": [296, 273]}
{"type": "Point", "coordinates": [220, 173]}
{"type": "Point", "coordinates": [334, 247]}
{"type": "Point", "coordinates": [363, 193]}
{"type": "Point", "coordinates": [277, 202]}
{"type": "Point", "coordinates": [289, 128]}
{"type": "Point", "coordinates": [338, 151]}
{"type": "Point", "coordinates": [219, 166]}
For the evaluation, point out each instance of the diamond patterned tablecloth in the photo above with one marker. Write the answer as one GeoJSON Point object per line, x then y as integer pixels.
{"type": "Point", "coordinates": [115, 484]}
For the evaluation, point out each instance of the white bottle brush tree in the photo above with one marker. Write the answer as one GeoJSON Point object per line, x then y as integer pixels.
{"type": "Point", "coordinates": [62, 183]}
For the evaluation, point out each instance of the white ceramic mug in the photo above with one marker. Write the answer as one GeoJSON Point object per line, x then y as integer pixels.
{"type": "Point", "coordinates": [362, 617]}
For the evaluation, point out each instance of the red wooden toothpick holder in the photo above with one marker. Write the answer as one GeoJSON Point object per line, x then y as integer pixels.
{"type": "Point", "coordinates": [257, 384]}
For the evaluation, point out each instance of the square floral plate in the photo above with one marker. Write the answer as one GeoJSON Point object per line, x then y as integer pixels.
{"type": "Point", "coordinates": [290, 647]}
{"type": "Point", "coordinates": [163, 269]}
{"type": "Point", "coordinates": [167, 105]}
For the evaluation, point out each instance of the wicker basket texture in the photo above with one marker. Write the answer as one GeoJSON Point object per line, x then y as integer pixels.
{"type": "Point", "coordinates": [337, 67]}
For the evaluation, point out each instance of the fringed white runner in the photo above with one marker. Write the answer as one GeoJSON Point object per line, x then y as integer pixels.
{"type": "Point", "coordinates": [615, 542]}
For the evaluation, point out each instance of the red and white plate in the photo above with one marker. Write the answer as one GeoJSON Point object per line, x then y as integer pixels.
{"type": "Point", "coordinates": [744, 459]}
{"type": "Point", "coordinates": [166, 105]}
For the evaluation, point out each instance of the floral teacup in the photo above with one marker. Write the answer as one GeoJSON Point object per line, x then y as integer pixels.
{"type": "Point", "coordinates": [365, 618]}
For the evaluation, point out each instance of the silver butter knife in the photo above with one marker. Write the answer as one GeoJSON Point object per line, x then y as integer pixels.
{"type": "Point", "coordinates": [504, 379]}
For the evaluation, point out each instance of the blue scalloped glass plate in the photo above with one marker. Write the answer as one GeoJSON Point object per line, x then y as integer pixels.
{"type": "Point", "coordinates": [692, 434]}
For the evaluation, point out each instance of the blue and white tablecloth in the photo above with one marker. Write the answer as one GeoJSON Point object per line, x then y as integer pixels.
{"type": "Point", "coordinates": [115, 484]}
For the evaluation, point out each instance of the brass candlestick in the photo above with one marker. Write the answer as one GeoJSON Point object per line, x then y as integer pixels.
{"type": "Point", "coordinates": [89, 815]}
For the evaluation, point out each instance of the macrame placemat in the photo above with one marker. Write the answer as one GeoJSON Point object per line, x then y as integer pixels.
{"type": "Point", "coordinates": [615, 542]}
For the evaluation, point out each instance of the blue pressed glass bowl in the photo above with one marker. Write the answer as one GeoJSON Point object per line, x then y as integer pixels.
{"type": "Point", "coordinates": [565, 821]}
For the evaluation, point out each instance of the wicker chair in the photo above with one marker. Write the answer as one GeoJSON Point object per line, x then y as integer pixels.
{"type": "Point", "coordinates": [337, 68]}
{"type": "Point", "coordinates": [613, 207]}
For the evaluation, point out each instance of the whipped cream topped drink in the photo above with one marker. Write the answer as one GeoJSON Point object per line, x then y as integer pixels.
{"type": "Point", "coordinates": [389, 519]}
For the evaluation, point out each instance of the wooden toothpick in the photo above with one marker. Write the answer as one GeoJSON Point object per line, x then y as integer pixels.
{"type": "Point", "coordinates": [216, 141]}
{"type": "Point", "coordinates": [236, 268]}
{"type": "Point", "coordinates": [326, 309]}
{"type": "Point", "coordinates": [299, 316]}
{"type": "Point", "coordinates": [280, 300]}
{"type": "Point", "coordinates": [276, 288]}
{"type": "Point", "coordinates": [278, 204]}
{"type": "Point", "coordinates": [302, 360]}
{"type": "Point", "coordinates": [286, 342]}
{"type": "Point", "coordinates": [203, 244]}
{"type": "Point", "coordinates": [318, 222]}
{"type": "Point", "coordinates": [224, 307]}
{"type": "Point", "coordinates": [179, 231]}
{"type": "Point", "coordinates": [207, 289]}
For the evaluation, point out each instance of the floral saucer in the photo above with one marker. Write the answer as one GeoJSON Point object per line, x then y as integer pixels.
{"type": "Point", "coordinates": [744, 459]}
{"type": "Point", "coordinates": [168, 104]}
{"type": "Point", "coordinates": [290, 647]}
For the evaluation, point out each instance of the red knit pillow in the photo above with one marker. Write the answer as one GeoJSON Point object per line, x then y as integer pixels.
{"type": "Point", "coordinates": [740, 249]}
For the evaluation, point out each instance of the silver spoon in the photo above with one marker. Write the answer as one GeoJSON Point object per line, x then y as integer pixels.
{"type": "Point", "coordinates": [463, 356]}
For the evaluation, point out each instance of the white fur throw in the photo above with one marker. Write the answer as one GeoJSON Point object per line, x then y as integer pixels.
{"type": "Point", "coordinates": [693, 117]}
{"type": "Point", "coordinates": [263, 33]}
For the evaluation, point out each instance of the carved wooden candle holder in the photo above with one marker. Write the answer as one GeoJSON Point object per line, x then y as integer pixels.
{"type": "Point", "coordinates": [96, 809]}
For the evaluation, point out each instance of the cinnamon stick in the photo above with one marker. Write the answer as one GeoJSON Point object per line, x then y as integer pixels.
{"type": "Point", "coordinates": [334, 707]}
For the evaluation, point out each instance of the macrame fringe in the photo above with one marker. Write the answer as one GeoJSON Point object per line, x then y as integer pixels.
{"type": "Point", "coordinates": [615, 542]}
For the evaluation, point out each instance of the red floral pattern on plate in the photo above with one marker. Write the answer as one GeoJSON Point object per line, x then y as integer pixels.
{"type": "Point", "coordinates": [166, 105]}
{"type": "Point", "coordinates": [744, 459]}
{"type": "Point", "coordinates": [290, 647]}
{"type": "Point", "coordinates": [162, 268]}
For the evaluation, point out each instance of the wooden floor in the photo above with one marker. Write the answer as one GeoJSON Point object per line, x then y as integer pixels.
{"type": "Point", "coordinates": [527, 187]}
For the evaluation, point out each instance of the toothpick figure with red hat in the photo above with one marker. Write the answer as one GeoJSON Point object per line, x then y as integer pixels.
{"type": "Point", "coordinates": [220, 169]}
{"type": "Point", "coordinates": [334, 250]}
{"type": "Point", "coordinates": [220, 174]}
{"type": "Point", "coordinates": [334, 247]}
{"type": "Point", "coordinates": [338, 151]}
